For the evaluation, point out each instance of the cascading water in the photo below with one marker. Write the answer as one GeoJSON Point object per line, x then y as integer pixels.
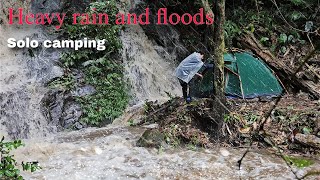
{"type": "Point", "coordinates": [150, 74]}
{"type": "Point", "coordinates": [23, 75]}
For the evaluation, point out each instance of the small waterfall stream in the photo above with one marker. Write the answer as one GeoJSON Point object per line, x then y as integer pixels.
{"type": "Point", "coordinates": [149, 73]}
{"type": "Point", "coordinates": [22, 82]}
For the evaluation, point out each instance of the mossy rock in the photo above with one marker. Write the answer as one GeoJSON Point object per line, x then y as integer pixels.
{"type": "Point", "coordinates": [298, 161]}
{"type": "Point", "coordinates": [151, 138]}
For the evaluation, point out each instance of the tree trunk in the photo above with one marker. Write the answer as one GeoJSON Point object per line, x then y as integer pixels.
{"type": "Point", "coordinates": [216, 46]}
{"type": "Point", "coordinates": [219, 48]}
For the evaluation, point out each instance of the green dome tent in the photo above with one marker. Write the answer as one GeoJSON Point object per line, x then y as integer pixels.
{"type": "Point", "coordinates": [245, 76]}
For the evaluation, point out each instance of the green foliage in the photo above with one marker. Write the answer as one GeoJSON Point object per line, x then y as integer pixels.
{"type": "Point", "coordinates": [65, 82]}
{"type": "Point", "coordinates": [131, 122]}
{"type": "Point", "coordinates": [297, 2]}
{"type": "Point", "coordinates": [240, 21]}
{"type": "Point", "coordinates": [15, 4]}
{"type": "Point", "coordinates": [298, 162]}
{"type": "Point", "coordinates": [230, 118]}
{"type": "Point", "coordinates": [275, 26]}
{"type": "Point", "coordinates": [172, 135]}
{"type": "Point", "coordinates": [295, 15]}
{"type": "Point", "coordinates": [8, 165]}
{"type": "Point", "coordinates": [306, 130]}
{"type": "Point", "coordinates": [283, 38]}
{"type": "Point", "coordinates": [111, 97]}
{"type": "Point", "coordinates": [231, 30]}
{"type": "Point", "coordinates": [101, 69]}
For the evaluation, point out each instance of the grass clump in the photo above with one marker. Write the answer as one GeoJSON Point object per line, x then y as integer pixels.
{"type": "Point", "coordinates": [102, 69]}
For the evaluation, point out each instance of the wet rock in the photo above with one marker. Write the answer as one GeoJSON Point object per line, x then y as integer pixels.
{"type": "Point", "coordinates": [56, 72]}
{"type": "Point", "coordinates": [43, 67]}
{"type": "Point", "coordinates": [12, 111]}
{"type": "Point", "coordinates": [51, 6]}
{"type": "Point", "coordinates": [83, 91]}
{"type": "Point", "coordinates": [71, 115]}
{"type": "Point", "coordinates": [53, 103]}
{"type": "Point", "coordinates": [61, 110]}
{"type": "Point", "coordinates": [47, 6]}
{"type": "Point", "coordinates": [79, 126]}
{"type": "Point", "coordinates": [151, 138]}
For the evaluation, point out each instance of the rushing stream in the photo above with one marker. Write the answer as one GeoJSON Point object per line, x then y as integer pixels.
{"type": "Point", "coordinates": [110, 153]}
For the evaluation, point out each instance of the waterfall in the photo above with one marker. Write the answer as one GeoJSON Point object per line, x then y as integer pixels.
{"type": "Point", "coordinates": [24, 73]}
{"type": "Point", "coordinates": [150, 74]}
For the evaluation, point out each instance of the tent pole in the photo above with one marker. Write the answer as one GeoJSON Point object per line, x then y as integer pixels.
{"type": "Point", "coordinates": [285, 89]}
{"type": "Point", "coordinates": [241, 88]}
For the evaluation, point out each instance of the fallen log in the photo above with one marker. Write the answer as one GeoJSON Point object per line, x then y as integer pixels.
{"type": "Point", "coordinates": [308, 140]}
{"type": "Point", "coordinates": [284, 72]}
{"type": "Point", "coordinates": [313, 71]}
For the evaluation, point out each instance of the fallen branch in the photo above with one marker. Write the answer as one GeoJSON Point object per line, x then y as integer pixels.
{"type": "Point", "coordinates": [305, 60]}
{"type": "Point", "coordinates": [287, 74]}
{"type": "Point", "coordinates": [308, 140]}
{"type": "Point", "coordinates": [313, 71]}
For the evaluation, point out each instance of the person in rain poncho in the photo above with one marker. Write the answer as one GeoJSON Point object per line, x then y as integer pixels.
{"type": "Point", "coordinates": [186, 70]}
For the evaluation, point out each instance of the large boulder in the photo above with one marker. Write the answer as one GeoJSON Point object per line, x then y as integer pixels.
{"type": "Point", "coordinates": [51, 6]}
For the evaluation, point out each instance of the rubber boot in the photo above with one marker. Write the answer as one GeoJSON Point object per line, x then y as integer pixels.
{"type": "Point", "coordinates": [188, 100]}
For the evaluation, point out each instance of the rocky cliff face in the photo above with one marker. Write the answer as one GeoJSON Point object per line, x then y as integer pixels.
{"type": "Point", "coordinates": [29, 108]}
{"type": "Point", "coordinates": [24, 74]}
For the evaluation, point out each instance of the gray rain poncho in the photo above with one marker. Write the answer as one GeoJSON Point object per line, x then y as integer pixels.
{"type": "Point", "coordinates": [189, 67]}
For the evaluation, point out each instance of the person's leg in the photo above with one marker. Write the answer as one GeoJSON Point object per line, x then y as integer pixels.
{"type": "Point", "coordinates": [188, 94]}
{"type": "Point", "coordinates": [184, 86]}
{"type": "Point", "coordinates": [189, 90]}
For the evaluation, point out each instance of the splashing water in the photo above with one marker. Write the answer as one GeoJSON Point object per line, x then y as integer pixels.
{"type": "Point", "coordinates": [150, 75]}
{"type": "Point", "coordinates": [110, 153]}
{"type": "Point", "coordinates": [20, 90]}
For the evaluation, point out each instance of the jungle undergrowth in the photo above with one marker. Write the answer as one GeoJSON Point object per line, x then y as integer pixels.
{"type": "Point", "coordinates": [265, 21]}
{"type": "Point", "coordinates": [8, 165]}
{"type": "Point", "coordinates": [102, 69]}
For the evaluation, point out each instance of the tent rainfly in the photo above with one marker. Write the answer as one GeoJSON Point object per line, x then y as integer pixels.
{"type": "Point", "coordinates": [246, 76]}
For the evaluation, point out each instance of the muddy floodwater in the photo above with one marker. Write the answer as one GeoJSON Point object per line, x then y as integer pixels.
{"type": "Point", "coordinates": [110, 153]}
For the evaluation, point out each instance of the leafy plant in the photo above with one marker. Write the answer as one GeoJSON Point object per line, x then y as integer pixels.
{"type": "Point", "coordinates": [283, 38]}
{"type": "Point", "coordinates": [100, 68]}
{"type": "Point", "coordinates": [295, 15]}
{"type": "Point", "coordinates": [297, 2]}
{"type": "Point", "coordinates": [65, 82]}
{"type": "Point", "coordinates": [229, 118]}
{"type": "Point", "coordinates": [264, 40]}
{"type": "Point", "coordinates": [172, 135]}
{"type": "Point", "coordinates": [231, 30]}
{"type": "Point", "coordinates": [8, 165]}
